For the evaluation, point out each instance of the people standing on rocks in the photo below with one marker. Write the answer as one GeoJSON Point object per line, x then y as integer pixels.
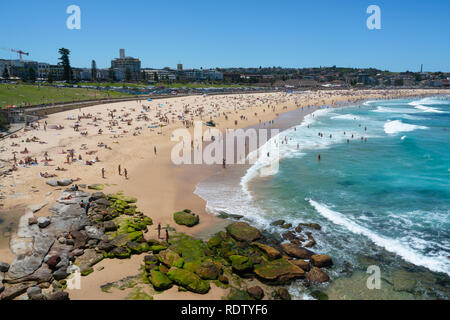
{"type": "Point", "coordinates": [167, 236]}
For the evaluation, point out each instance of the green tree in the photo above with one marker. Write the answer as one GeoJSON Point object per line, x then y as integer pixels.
{"type": "Point", "coordinates": [94, 71]}
{"type": "Point", "coordinates": [112, 75]}
{"type": "Point", "coordinates": [155, 77]}
{"type": "Point", "coordinates": [32, 74]}
{"type": "Point", "coordinates": [65, 62]}
{"type": "Point", "coordinates": [5, 74]}
{"type": "Point", "coordinates": [128, 74]}
{"type": "Point", "coordinates": [50, 77]}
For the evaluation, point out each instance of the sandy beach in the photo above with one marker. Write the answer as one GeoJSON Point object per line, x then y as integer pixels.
{"type": "Point", "coordinates": [129, 139]}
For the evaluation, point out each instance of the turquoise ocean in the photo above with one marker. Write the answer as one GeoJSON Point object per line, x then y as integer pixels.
{"type": "Point", "coordinates": [380, 191]}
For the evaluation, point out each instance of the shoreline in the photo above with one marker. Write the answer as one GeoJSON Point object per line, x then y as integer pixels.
{"type": "Point", "coordinates": [172, 187]}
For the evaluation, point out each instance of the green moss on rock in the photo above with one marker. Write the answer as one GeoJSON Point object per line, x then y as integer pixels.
{"type": "Point", "coordinates": [159, 280]}
{"type": "Point", "coordinates": [188, 280]}
{"type": "Point", "coordinates": [186, 219]}
{"type": "Point", "coordinates": [242, 231]}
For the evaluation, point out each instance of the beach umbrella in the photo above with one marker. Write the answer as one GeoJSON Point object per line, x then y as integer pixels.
{"type": "Point", "coordinates": [149, 100]}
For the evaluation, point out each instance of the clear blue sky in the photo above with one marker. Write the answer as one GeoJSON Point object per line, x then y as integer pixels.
{"type": "Point", "coordinates": [246, 33]}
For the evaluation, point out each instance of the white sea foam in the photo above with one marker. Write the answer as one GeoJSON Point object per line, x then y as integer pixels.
{"type": "Point", "coordinates": [264, 166]}
{"type": "Point", "coordinates": [437, 263]}
{"type": "Point", "coordinates": [429, 109]}
{"type": "Point", "coordinates": [381, 109]}
{"type": "Point", "coordinates": [347, 117]}
{"type": "Point", "coordinates": [395, 126]}
{"type": "Point", "coordinates": [429, 101]}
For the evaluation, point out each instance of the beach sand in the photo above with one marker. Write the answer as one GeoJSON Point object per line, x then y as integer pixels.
{"type": "Point", "coordinates": [160, 186]}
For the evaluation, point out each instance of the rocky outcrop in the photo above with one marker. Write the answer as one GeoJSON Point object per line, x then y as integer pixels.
{"type": "Point", "coordinates": [321, 260]}
{"type": "Point", "coordinates": [242, 231]}
{"type": "Point", "coordinates": [316, 275]}
{"type": "Point", "coordinates": [296, 251]}
{"type": "Point", "coordinates": [188, 280]}
{"type": "Point", "coordinates": [256, 292]}
{"type": "Point", "coordinates": [279, 271]}
{"type": "Point", "coordinates": [186, 218]}
{"type": "Point", "coordinates": [271, 252]}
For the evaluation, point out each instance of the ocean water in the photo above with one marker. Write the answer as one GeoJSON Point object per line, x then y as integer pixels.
{"type": "Point", "coordinates": [381, 187]}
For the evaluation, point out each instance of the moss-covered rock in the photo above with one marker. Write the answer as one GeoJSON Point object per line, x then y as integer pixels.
{"type": "Point", "coordinates": [271, 252]}
{"type": "Point", "coordinates": [138, 247]}
{"type": "Point", "coordinates": [208, 271]}
{"type": "Point", "coordinates": [121, 240]}
{"type": "Point", "coordinates": [236, 294]}
{"type": "Point", "coordinates": [214, 242]}
{"type": "Point", "coordinates": [186, 218]}
{"type": "Point", "coordinates": [188, 280]}
{"type": "Point", "coordinates": [159, 280]}
{"type": "Point", "coordinates": [192, 250]}
{"type": "Point", "coordinates": [157, 248]}
{"type": "Point", "coordinates": [171, 258]}
{"type": "Point", "coordinates": [241, 263]}
{"type": "Point", "coordinates": [120, 253]}
{"type": "Point", "coordinates": [278, 271]}
{"type": "Point", "coordinates": [242, 231]}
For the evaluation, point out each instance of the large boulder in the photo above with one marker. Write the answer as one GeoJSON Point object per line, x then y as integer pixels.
{"type": "Point", "coordinates": [279, 271]}
{"type": "Point", "coordinates": [256, 292]}
{"type": "Point", "coordinates": [208, 271]}
{"type": "Point", "coordinates": [242, 231]}
{"type": "Point", "coordinates": [89, 258]}
{"type": "Point", "coordinates": [4, 267]}
{"type": "Point", "coordinates": [186, 218]}
{"type": "Point", "coordinates": [188, 280]}
{"type": "Point", "coordinates": [304, 265]}
{"type": "Point", "coordinates": [296, 251]}
{"type": "Point", "coordinates": [271, 252]}
{"type": "Point", "coordinates": [159, 280]}
{"type": "Point", "coordinates": [170, 258]}
{"type": "Point", "coordinates": [321, 260]}
{"type": "Point", "coordinates": [315, 275]}
{"type": "Point", "coordinates": [43, 222]}
{"type": "Point", "coordinates": [241, 263]}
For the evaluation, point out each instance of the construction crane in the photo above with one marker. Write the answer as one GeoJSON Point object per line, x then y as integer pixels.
{"type": "Point", "coordinates": [19, 52]}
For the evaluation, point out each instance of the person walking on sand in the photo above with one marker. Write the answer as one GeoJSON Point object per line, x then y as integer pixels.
{"type": "Point", "coordinates": [159, 230]}
{"type": "Point", "coordinates": [125, 172]}
{"type": "Point", "coordinates": [120, 170]}
{"type": "Point", "coordinates": [224, 163]}
{"type": "Point", "coordinates": [154, 149]}
{"type": "Point", "coordinates": [103, 173]}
